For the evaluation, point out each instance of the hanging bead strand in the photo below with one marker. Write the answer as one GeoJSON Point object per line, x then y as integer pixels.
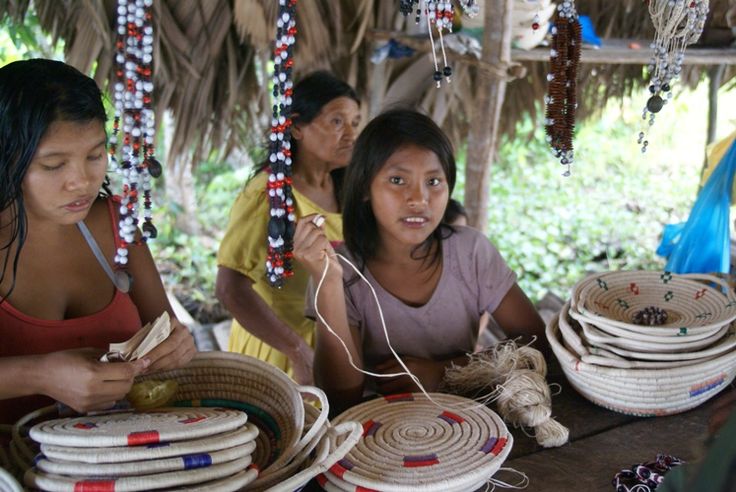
{"type": "Point", "coordinates": [282, 219]}
{"type": "Point", "coordinates": [677, 24]}
{"type": "Point", "coordinates": [132, 95]}
{"type": "Point", "coordinates": [561, 99]}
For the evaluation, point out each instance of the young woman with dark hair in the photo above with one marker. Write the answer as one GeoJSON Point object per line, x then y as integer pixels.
{"type": "Point", "coordinates": [59, 311]}
{"type": "Point", "coordinates": [269, 323]}
{"type": "Point", "coordinates": [433, 281]}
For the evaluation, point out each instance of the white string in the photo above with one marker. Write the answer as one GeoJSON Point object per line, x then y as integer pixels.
{"type": "Point", "coordinates": [444, 55]}
{"type": "Point", "coordinates": [407, 372]}
{"type": "Point", "coordinates": [523, 483]}
{"type": "Point", "coordinates": [431, 41]}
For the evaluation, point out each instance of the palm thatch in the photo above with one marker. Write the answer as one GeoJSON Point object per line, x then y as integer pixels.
{"type": "Point", "coordinates": [212, 58]}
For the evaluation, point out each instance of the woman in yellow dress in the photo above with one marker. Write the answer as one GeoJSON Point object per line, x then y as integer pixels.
{"type": "Point", "coordinates": [269, 323]}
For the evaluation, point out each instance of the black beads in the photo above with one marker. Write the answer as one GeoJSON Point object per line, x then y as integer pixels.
{"type": "Point", "coordinates": [655, 104]}
{"type": "Point", "coordinates": [650, 316]}
{"type": "Point", "coordinates": [150, 229]}
{"type": "Point", "coordinates": [666, 87]}
{"type": "Point", "coordinates": [447, 71]}
{"type": "Point", "coordinates": [276, 227]}
{"type": "Point", "coordinates": [154, 167]}
{"type": "Point", "coordinates": [437, 76]}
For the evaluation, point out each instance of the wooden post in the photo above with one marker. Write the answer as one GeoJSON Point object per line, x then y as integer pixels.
{"type": "Point", "coordinates": [489, 97]}
{"type": "Point", "coordinates": [716, 78]}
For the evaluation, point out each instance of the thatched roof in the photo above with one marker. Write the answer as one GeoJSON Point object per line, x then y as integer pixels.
{"type": "Point", "coordinates": [211, 58]}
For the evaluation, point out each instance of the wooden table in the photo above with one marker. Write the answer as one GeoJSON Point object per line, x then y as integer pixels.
{"type": "Point", "coordinates": [602, 443]}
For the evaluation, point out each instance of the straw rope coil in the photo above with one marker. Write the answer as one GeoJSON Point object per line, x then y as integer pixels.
{"type": "Point", "coordinates": [137, 429]}
{"type": "Point", "coordinates": [640, 391]}
{"type": "Point", "coordinates": [8, 483]}
{"type": "Point", "coordinates": [60, 483]}
{"type": "Point", "coordinates": [271, 400]}
{"type": "Point", "coordinates": [692, 305]}
{"type": "Point", "coordinates": [408, 442]}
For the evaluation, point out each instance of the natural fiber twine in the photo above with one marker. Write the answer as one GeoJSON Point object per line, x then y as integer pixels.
{"type": "Point", "coordinates": [8, 483]}
{"type": "Point", "coordinates": [138, 428]}
{"type": "Point", "coordinates": [514, 377]}
{"type": "Point", "coordinates": [409, 444]}
{"type": "Point", "coordinates": [59, 483]}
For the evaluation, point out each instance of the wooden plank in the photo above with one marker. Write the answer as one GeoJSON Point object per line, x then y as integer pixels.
{"type": "Point", "coordinates": [613, 51]}
{"type": "Point", "coordinates": [619, 52]}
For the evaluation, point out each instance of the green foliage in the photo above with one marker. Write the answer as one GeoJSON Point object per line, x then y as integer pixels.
{"type": "Point", "coordinates": [610, 213]}
{"type": "Point", "coordinates": [25, 40]}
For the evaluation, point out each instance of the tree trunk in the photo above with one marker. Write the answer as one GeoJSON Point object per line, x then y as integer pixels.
{"type": "Point", "coordinates": [489, 97]}
{"type": "Point", "coordinates": [180, 190]}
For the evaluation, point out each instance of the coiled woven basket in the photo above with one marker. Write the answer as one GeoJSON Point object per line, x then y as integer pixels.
{"type": "Point", "coordinates": [295, 441]}
{"type": "Point", "coordinates": [643, 392]}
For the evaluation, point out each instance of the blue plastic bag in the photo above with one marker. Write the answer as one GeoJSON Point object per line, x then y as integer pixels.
{"type": "Point", "coordinates": [703, 243]}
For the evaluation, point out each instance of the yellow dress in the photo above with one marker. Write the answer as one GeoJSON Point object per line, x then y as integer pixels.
{"type": "Point", "coordinates": [715, 153]}
{"type": "Point", "coordinates": [243, 249]}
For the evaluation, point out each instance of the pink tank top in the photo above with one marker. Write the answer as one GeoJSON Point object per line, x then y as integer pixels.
{"type": "Point", "coordinates": [24, 335]}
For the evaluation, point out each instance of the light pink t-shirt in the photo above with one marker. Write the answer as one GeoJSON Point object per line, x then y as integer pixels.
{"type": "Point", "coordinates": [474, 279]}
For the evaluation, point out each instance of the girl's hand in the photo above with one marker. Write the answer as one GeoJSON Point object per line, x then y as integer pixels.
{"type": "Point", "coordinates": [311, 246]}
{"type": "Point", "coordinates": [79, 380]}
{"type": "Point", "coordinates": [429, 372]}
{"type": "Point", "coordinates": [175, 351]}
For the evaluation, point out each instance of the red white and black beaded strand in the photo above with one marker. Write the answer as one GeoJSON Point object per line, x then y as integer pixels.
{"type": "Point", "coordinates": [561, 98]}
{"type": "Point", "coordinates": [439, 14]}
{"type": "Point", "coordinates": [134, 113]}
{"type": "Point", "coordinates": [282, 220]}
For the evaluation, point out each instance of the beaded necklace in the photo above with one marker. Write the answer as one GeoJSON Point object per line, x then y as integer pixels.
{"type": "Point", "coordinates": [133, 110]}
{"type": "Point", "coordinates": [282, 220]}
{"type": "Point", "coordinates": [440, 14]}
{"type": "Point", "coordinates": [561, 98]}
{"type": "Point", "coordinates": [678, 23]}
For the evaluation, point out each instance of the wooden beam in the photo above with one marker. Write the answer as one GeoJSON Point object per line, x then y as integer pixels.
{"type": "Point", "coordinates": [489, 97]}
{"type": "Point", "coordinates": [613, 51]}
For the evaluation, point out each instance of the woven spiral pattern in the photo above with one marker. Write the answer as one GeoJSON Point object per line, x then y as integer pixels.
{"type": "Point", "coordinates": [409, 442]}
{"type": "Point", "coordinates": [137, 429]}
{"type": "Point", "coordinates": [60, 483]}
{"type": "Point", "coordinates": [8, 483]}
{"type": "Point", "coordinates": [639, 387]}
{"type": "Point", "coordinates": [236, 438]}
{"type": "Point", "coordinates": [692, 306]}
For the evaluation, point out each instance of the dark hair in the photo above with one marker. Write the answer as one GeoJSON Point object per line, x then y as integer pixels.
{"type": "Point", "coordinates": [384, 135]}
{"type": "Point", "coordinates": [311, 94]}
{"type": "Point", "coordinates": [454, 211]}
{"type": "Point", "coordinates": [34, 94]}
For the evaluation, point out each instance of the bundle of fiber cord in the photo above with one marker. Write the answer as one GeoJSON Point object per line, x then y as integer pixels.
{"type": "Point", "coordinates": [183, 448]}
{"type": "Point", "coordinates": [513, 377]}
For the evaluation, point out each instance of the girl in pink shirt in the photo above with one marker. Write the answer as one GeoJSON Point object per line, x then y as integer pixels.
{"type": "Point", "coordinates": [433, 281]}
{"type": "Point", "coordinates": [58, 308]}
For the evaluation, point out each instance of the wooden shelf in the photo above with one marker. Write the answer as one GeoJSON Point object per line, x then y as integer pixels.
{"type": "Point", "coordinates": [617, 51]}
{"type": "Point", "coordinates": [613, 51]}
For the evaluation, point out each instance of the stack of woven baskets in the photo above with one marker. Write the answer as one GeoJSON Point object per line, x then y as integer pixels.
{"type": "Point", "coordinates": [647, 343]}
{"type": "Point", "coordinates": [203, 449]}
{"type": "Point", "coordinates": [411, 443]}
{"type": "Point", "coordinates": [282, 442]}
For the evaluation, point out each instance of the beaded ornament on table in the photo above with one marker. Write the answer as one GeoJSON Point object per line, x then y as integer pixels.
{"type": "Point", "coordinates": [439, 14]}
{"type": "Point", "coordinates": [677, 23]}
{"type": "Point", "coordinates": [561, 99]}
{"type": "Point", "coordinates": [133, 110]}
{"type": "Point", "coordinates": [282, 220]}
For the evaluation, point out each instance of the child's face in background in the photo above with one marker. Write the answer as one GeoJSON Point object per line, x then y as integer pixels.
{"type": "Point", "coordinates": [409, 195]}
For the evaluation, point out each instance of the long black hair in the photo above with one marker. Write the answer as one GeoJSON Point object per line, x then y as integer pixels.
{"type": "Point", "coordinates": [311, 94]}
{"type": "Point", "coordinates": [34, 94]}
{"type": "Point", "coordinates": [384, 135]}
